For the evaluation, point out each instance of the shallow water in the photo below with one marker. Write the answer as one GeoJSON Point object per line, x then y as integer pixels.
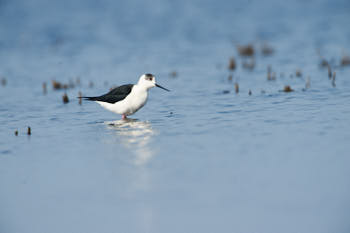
{"type": "Point", "coordinates": [194, 159]}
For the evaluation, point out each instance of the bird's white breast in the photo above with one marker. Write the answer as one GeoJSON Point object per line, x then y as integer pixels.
{"type": "Point", "coordinates": [132, 103]}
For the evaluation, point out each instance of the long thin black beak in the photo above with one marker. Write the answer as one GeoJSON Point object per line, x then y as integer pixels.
{"type": "Point", "coordinates": [162, 87]}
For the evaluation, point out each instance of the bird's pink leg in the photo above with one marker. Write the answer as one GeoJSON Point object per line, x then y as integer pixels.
{"type": "Point", "coordinates": [124, 117]}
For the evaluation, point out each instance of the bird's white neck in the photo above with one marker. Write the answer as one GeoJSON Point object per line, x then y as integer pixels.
{"type": "Point", "coordinates": [141, 87]}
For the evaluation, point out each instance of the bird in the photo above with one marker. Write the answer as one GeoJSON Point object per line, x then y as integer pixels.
{"type": "Point", "coordinates": [127, 99]}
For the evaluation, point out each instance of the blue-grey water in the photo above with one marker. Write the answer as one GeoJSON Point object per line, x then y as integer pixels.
{"type": "Point", "coordinates": [200, 158]}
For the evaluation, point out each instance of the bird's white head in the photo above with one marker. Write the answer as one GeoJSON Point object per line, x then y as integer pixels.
{"type": "Point", "coordinates": [148, 81]}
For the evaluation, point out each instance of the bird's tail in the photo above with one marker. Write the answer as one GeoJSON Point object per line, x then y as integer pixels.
{"type": "Point", "coordinates": [88, 98]}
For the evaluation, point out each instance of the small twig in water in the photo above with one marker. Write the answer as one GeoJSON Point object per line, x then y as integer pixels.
{"type": "Point", "coordinates": [287, 88]}
{"type": "Point", "coordinates": [80, 95]}
{"type": "Point", "coordinates": [333, 79]}
{"type": "Point", "coordinates": [298, 73]}
{"type": "Point", "coordinates": [65, 98]}
{"type": "Point", "coordinates": [232, 64]}
{"type": "Point", "coordinates": [236, 88]}
{"type": "Point", "coordinates": [329, 71]}
{"type": "Point", "coordinates": [44, 88]}
{"type": "Point", "coordinates": [308, 83]}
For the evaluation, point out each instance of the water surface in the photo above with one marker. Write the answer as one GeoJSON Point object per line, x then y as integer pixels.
{"type": "Point", "coordinates": [194, 159]}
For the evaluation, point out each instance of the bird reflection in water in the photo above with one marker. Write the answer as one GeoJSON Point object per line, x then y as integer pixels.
{"type": "Point", "coordinates": [136, 136]}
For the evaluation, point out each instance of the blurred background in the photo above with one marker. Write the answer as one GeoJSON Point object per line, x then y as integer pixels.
{"type": "Point", "coordinates": [253, 137]}
{"type": "Point", "coordinates": [69, 38]}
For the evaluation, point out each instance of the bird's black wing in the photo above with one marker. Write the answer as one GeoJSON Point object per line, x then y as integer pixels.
{"type": "Point", "coordinates": [115, 95]}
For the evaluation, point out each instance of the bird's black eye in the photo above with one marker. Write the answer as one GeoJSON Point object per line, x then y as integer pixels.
{"type": "Point", "coordinates": [149, 77]}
